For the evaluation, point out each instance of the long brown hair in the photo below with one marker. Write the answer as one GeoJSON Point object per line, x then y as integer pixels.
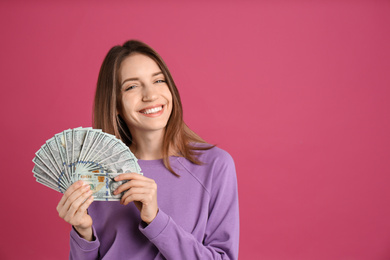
{"type": "Point", "coordinates": [107, 105]}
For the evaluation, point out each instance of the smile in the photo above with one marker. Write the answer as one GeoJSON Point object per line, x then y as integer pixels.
{"type": "Point", "coordinates": [152, 110]}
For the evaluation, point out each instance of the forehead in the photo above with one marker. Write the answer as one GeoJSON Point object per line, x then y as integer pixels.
{"type": "Point", "coordinates": [137, 65]}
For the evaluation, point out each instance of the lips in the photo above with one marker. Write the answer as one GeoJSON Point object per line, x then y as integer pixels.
{"type": "Point", "coordinates": [152, 110]}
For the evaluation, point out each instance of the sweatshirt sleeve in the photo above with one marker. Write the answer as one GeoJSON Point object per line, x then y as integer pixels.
{"type": "Point", "coordinates": [81, 249]}
{"type": "Point", "coordinates": [221, 238]}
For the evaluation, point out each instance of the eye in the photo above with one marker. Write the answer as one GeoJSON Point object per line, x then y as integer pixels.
{"type": "Point", "coordinates": [130, 87]}
{"type": "Point", "coordinates": [160, 81]}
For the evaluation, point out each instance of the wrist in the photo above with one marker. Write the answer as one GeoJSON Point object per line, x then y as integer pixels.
{"type": "Point", "coordinates": [148, 221]}
{"type": "Point", "coordinates": [85, 233]}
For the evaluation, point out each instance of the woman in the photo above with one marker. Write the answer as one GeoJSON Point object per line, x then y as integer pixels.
{"type": "Point", "coordinates": [194, 212]}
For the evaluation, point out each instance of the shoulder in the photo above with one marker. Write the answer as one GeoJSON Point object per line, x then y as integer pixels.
{"type": "Point", "coordinates": [217, 166]}
{"type": "Point", "coordinates": [214, 156]}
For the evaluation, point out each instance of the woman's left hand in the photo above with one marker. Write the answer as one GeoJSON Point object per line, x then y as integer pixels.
{"type": "Point", "coordinates": [141, 190]}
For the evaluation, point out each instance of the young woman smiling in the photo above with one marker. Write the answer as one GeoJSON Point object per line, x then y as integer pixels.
{"type": "Point", "coordinates": [194, 212]}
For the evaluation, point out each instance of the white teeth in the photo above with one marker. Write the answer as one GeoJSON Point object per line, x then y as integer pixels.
{"type": "Point", "coordinates": [152, 110]}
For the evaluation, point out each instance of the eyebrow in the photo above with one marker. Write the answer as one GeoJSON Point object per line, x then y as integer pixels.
{"type": "Point", "coordinates": [133, 79]}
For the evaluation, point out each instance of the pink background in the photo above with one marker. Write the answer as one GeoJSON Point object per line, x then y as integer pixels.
{"type": "Point", "coordinates": [297, 92]}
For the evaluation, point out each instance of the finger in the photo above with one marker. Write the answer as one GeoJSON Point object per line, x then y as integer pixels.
{"type": "Point", "coordinates": [131, 184]}
{"type": "Point", "coordinates": [144, 195]}
{"type": "Point", "coordinates": [68, 198]}
{"type": "Point", "coordinates": [125, 176]}
{"type": "Point", "coordinates": [74, 196]}
{"type": "Point", "coordinates": [75, 206]}
{"type": "Point", "coordinates": [133, 197]}
{"type": "Point", "coordinates": [133, 191]}
{"type": "Point", "coordinates": [130, 176]}
{"type": "Point", "coordinates": [77, 193]}
{"type": "Point", "coordinates": [86, 205]}
{"type": "Point", "coordinates": [68, 192]}
{"type": "Point", "coordinates": [83, 208]}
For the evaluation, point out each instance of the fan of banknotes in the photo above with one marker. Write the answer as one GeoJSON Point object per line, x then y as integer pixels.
{"type": "Point", "coordinates": [84, 154]}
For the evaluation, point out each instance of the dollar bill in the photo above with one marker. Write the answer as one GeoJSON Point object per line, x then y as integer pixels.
{"type": "Point", "coordinates": [84, 152]}
{"type": "Point", "coordinates": [102, 185]}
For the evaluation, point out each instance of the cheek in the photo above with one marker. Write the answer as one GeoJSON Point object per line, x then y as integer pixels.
{"type": "Point", "coordinates": [168, 95]}
{"type": "Point", "coordinates": [128, 107]}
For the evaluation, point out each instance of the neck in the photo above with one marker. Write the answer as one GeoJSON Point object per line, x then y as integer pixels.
{"type": "Point", "coordinates": [147, 145]}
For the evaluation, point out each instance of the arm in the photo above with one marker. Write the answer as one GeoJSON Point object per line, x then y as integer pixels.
{"type": "Point", "coordinates": [73, 209]}
{"type": "Point", "coordinates": [81, 248]}
{"type": "Point", "coordinates": [221, 237]}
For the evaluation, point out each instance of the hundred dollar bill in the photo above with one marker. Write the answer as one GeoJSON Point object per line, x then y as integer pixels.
{"type": "Point", "coordinates": [102, 185]}
{"type": "Point", "coordinates": [88, 153]}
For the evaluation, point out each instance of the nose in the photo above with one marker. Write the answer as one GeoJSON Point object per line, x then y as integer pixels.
{"type": "Point", "coordinates": [149, 93]}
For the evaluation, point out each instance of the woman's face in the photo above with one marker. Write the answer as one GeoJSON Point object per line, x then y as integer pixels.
{"type": "Point", "coordinates": [146, 98]}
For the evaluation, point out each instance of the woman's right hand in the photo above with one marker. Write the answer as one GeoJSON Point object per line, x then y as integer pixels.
{"type": "Point", "coordinates": [73, 208]}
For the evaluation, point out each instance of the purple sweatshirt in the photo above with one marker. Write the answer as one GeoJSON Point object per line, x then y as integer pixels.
{"type": "Point", "coordinates": [197, 219]}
